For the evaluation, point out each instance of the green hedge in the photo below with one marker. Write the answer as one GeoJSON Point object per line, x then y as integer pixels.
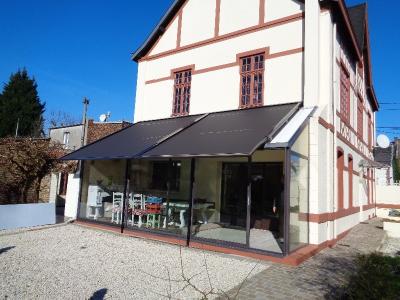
{"type": "Point", "coordinates": [376, 277]}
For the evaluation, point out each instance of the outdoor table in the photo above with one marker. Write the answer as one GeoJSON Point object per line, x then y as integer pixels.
{"type": "Point", "coordinates": [182, 207]}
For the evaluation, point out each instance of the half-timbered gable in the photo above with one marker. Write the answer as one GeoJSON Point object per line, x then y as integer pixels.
{"type": "Point", "coordinates": [210, 38]}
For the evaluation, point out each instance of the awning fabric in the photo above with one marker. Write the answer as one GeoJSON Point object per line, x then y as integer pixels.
{"type": "Point", "coordinates": [232, 133]}
{"type": "Point", "coordinates": [132, 141]}
{"type": "Point", "coordinates": [229, 133]}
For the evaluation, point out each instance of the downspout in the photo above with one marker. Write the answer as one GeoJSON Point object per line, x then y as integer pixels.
{"type": "Point", "coordinates": [334, 134]}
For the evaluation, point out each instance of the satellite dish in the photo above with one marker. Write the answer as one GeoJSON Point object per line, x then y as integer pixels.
{"type": "Point", "coordinates": [103, 118]}
{"type": "Point", "coordinates": [383, 141]}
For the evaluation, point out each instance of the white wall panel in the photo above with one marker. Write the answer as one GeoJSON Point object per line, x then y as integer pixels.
{"type": "Point", "coordinates": [198, 21]}
{"type": "Point", "coordinates": [238, 14]}
{"type": "Point", "coordinates": [225, 51]}
{"type": "Point", "coordinates": [276, 9]}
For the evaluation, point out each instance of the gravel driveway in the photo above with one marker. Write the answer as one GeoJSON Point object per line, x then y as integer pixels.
{"type": "Point", "coordinates": [74, 262]}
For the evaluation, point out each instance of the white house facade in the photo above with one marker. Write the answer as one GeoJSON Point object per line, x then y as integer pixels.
{"type": "Point", "coordinates": [254, 130]}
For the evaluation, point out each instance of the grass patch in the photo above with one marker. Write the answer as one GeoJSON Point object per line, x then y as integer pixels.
{"type": "Point", "coordinates": [377, 277]}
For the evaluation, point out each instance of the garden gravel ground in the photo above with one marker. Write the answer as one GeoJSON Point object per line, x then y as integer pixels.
{"type": "Point", "coordinates": [391, 246]}
{"type": "Point", "coordinates": [74, 262]}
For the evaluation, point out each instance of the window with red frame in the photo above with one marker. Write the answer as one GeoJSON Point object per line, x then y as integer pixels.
{"type": "Point", "coordinates": [360, 117]}
{"type": "Point", "coordinates": [182, 85]}
{"type": "Point", "coordinates": [345, 93]}
{"type": "Point", "coordinates": [252, 81]}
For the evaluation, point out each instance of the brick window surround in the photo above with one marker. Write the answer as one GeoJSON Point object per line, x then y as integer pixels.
{"type": "Point", "coordinates": [340, 171]}
{"type": "Point", "coordinates": [182, 91]}
{"type": "Point", "coordinates": [344, 93]}
{"type": "Point", "coordinates": [360, 117]}
{"type": "Point", "coordinates": [252, 80]}
{"type": "Point", "coordinates": [350, 175]}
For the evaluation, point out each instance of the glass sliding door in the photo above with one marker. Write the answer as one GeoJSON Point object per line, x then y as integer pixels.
{"type": "Point", "coordinates": [266, 232]}
{"type": "Point", "coordinates": [220, 208]}
{"type": "Point", "coordinates": [102, 191]}
{"type": "Point", "coordinates": [267, 207]}
{"type": "Point", "coordinates": [219, 201]}
{"type": "Point", "coordinates": [159, 194]}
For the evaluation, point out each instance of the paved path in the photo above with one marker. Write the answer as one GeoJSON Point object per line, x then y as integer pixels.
{"type": "Point", "coordinates": [319, 276]}
{"type": "Point", "coordinates": [74, 262]}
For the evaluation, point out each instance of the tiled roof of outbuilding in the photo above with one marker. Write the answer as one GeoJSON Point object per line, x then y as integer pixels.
{"type": "Point", "coordinates": [383, 156]}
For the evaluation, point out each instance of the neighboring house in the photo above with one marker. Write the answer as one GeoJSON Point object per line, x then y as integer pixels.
{"type": "Point", "coordinates": [384, 175]}
{"type": "Point", "coordinates": [71, 137]}
{"type": "Point", "coordinates": [254, 129]}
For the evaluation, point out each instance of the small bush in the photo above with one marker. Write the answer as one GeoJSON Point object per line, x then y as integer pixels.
{"type": "Point", "coordinates": [376, 277]}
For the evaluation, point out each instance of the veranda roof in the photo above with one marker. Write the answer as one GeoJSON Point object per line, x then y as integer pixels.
{"type": "Point", "coordinates": [228, 133]}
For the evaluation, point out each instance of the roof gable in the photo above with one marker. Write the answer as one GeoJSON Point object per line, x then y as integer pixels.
{"type": "Point", "coordinates": [159, 30]}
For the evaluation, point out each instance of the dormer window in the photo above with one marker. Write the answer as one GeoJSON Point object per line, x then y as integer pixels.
{"type": "Point", "coordinates": [182, 85]}
{"type": "Point", "coordinates": [252, 81]}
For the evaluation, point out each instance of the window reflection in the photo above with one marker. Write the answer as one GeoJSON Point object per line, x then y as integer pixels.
{"type": "Point", "coordinates": [102, 191]}
{"type": "Point", "coordinates": [159, 195]}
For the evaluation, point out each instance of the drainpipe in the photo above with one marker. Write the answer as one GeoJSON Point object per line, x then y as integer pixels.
{"type": "Point", "coordinates": [334, 135]}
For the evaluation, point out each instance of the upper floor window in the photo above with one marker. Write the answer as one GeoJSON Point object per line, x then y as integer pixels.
{"type": "Point", "coordinates": [252, 81]}
{"type": "Point", "coordinates": [182, 86]}
{"type": "Point", "coordinates": [360, 117]}
{"type": "Point", "coordinates": [345, 93]}
{"type": "Point", "coordinates": [66, 140]}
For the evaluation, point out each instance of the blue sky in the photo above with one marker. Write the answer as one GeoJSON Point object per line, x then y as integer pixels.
{"type": "Point", "coordinates": [77, 48]}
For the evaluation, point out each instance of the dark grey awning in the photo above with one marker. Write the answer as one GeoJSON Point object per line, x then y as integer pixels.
{"type": "Point", "coordinates": [133, 140]}
{"type": "Point", "coordinates": [229, 133]}
{"type": "Point", "coordinates": [232, 133]}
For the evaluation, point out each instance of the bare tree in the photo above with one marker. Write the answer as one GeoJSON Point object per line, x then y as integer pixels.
{"type": "Point", "coordinates": [24, 162]}
{"type": "Point", "coordinates": [62, 118]}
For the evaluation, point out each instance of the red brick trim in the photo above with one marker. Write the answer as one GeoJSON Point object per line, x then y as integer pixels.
{"type": "Point", "coordinates": [344, 140]}
{"type": "Point", "coordinates": [287, 52]}
{"type": "Point", "coordinates": [368, 206]}
{"type": "Point", "coordinates": [293, 259]}
{"type": "Point", "coordinates": [154, 237]}
{"type": "Point", "coordinates": [333, 242]}
{"type": "Point", "coordinates": [228, 65]}
{"type": "Point", "coordinates": [383, 205]}
{"type": "Point", "coordinates": [181, 69]}
{"type": "Point", "coordinates": [340, 177]}
{"type": "Point", "coordinates": [217, 17]}
{"type": "Point", "coordinates": [326, 124]}
{"type": "Point", "coordinates": [332, 216]}
{"type": "Point", "coordinates": [179, 33]}
{"type": "Point", "coordinates": [270, 24]}
{"type": "Point", "coordinates": [264, 51]}
{"type": "Point", "coordinates": [261, 12]}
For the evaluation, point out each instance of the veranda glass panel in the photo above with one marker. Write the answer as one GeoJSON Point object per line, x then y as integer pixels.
{"type": "Point", "coordinates": [267, 201]}
{"type": "Point", "coordinates": [298, 231]}
{"type": "Point", "coordinates": [159, 193]}
{"type": "Point", "coordinates": [102, 191]}
{"type": "Point", "coordinates": [219, 208]}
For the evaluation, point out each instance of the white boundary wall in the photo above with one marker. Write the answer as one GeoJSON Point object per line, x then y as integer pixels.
{"type": "Point", "coordinates": [26, 215]}
{"type": "Point", "coordinates": [72, 196]}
